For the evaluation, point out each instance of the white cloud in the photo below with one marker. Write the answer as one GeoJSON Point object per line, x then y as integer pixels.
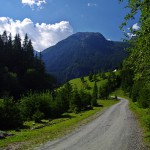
{"type": "Point", "coordinates": [91, 4]}
{"type": "Point", "coordinates": [135, 26]}
{"type": "Point", "coordinates": [33, 3]}
{"type": "Point", "coordinates": [130, 35]}
{"type": "Point", "coordinates": [42, 35]}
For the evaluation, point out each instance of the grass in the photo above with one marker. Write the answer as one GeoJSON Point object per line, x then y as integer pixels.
{"type": "Point", "coordinates": [87, 85]}
{"type": "Point", "coordinates": [27, 138]}
{"type": "Point", "coordinates": [141, 114]}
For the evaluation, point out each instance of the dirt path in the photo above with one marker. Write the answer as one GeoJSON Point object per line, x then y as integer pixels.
{"type": "Point", "coordinates": [115, 129]}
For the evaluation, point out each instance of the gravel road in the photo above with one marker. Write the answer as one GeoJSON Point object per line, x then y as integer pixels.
{"type": "Point", "coordinates": [115, 129]}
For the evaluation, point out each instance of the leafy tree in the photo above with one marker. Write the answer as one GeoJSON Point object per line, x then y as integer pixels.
{"type": "Point", "coordinates": [82, 79]}
{"type": "Point", "coordinates": [34, 104]}
{"type": "Point", "coordinates": [75, 102]}
{"type": "Point", "coordinates": [138, 61]}
{"type": "Point", "coordinates": [135, 91]}
{"type": "Point", "coordinates": [94, 95]}
{"type": "Point", "coordinates": [66, 95]}
{"type": "Point", "coordinates": [144, 96]}
{"type": "Point", "coordinates": [90, 77]}
{"type": "Point", "coordinates": [85, 99]}
{"type": "Point", "coordinates": [38, 116]}
{"type": "Point", "coordinates": [10, 117]}
{"type": "Point", "coordinates": [104, 91]}
{"type": "Point", "coordinates": [95, 78]}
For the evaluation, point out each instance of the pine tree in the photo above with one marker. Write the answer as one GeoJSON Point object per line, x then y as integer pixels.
{"type": "Point", "coordinates": [75, 102]}
{"type": "Point", "coordinates": [5, 38]}
{"type": "Point", "coordinates": [30, 54]}
{"type": "Point", "coordinates": [90, 77]}
{"type": "Point", "coordinates": [94, 95]}
{"type": "Point", "coordinates": [25, 43]}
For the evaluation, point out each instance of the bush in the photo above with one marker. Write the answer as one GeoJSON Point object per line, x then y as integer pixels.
{"type": "Point", "coordinates": [38, 116]}
{"type": "Point", "coordinates": [147, 121]}
{"type": "Point", "coordinates": [10, 117]}
{"type": "Point", "coordinates": [33, 103]}
{"type": "Point", "coordinates": [144, 96]}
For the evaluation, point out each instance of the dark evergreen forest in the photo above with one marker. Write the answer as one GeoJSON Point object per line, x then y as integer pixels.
{"type": "Point", "coordinates": [20, 69]}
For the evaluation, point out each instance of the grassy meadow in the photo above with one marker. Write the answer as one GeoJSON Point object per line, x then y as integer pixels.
{"type": "Point", "coordinates": [34, 134]}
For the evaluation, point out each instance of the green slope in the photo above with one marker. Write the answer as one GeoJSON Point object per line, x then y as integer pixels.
{"type": "Point", "coordinates": [87, 85]}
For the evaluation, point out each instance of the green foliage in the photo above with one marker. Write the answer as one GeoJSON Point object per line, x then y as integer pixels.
{"type": "Point", "coordinates": [94, 95]}
{"type": "Point", "coordinates": [79, 100]}
{"type": "Point", "coordinates": [90, 77]}
{"type": "Point", "coordinates": [85, 99]}
{"type": "Point", "coordinates": [38, 116]}
{"type": "Point", "coordinates": [82, 79]}
{"type": "Point", "coordinates": [18, 67]}
{"type": "Point", "coordinates": [147, 120]}
{"type": "Point", "coordinates": [10, 117]}
{"type": "Point", "coordinates": [75, 102]}
{"type": "Point", "coordinates": [104, 91]}
{"type": "Point", "coordinates": [136, 68]}
{"type": "Point", "coordinates": [144, 96]}
{"type": "Point", "coordinates": [95, 78]}
{"type": "Point", "coordinates": [101, 87]}
{"type": "Point", "coordinates": [36, 103]}
{"type": "Point", "coordinates": [57, 128]}
{"type": "Point", "coordinates": [144, 118]}
{"type": "Point", "coordinates": [69, 59]}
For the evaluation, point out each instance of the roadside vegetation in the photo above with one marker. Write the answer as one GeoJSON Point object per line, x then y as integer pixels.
{"type": "Point", "coordinates": [33, 135]}
{"type": "Point", "coordinates": [30, 103]}
{"type": "Point", "coordinates": [48, 115]}
{"type": "Point", "coordinates": [142, 114]}
{"type": "Point", "coordinates": [136, 68]}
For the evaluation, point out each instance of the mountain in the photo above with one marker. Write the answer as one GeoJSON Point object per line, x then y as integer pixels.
{"type": "Point", "coordinates": [82, 53]}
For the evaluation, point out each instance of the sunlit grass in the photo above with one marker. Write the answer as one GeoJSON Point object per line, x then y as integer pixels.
{"type": "Point", "coordinates": [87, 85]}
{"type": "Point", "coordinates": [27, 138]}
{"type": "Point", "coordinates": [142, 114]}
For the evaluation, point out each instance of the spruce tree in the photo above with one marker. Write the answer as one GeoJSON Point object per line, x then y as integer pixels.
{"type": "Point", "coordinates": [94, 95]}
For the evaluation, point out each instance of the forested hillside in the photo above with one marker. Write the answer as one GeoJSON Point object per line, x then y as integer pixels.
{"type": "Point", "coordinates": [21, 73]}
{"type": "Point", "coordinates": [81, 54]}
{"type": "Point", "coordinates": [20, 69]}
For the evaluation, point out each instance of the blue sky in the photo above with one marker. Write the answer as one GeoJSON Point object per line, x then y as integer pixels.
{"type": "Point", "coordinates": [53, 20]}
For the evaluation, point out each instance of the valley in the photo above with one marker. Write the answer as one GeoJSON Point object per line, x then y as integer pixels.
{"type": "Point", "coordinates": [71, 79]}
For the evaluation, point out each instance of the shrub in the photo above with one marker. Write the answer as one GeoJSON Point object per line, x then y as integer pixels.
{"type": "Point", "coordinates": [144, 96]}
{"type": "Point", "coordinates": [10, 117]}
{"type": "Point", "coordinates": [35, 102]}
{"type": "Point", "coordinates": [38, 116]}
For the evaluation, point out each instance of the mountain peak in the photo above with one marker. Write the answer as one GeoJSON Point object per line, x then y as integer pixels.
{"type": "Point", "coordinates": [87, 35]}
{"type": "Point", "coordinates": [82, 53]}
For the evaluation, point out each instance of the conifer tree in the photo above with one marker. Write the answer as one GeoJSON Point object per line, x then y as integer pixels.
{"type": "Point", "coordinates": [94, 95]}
